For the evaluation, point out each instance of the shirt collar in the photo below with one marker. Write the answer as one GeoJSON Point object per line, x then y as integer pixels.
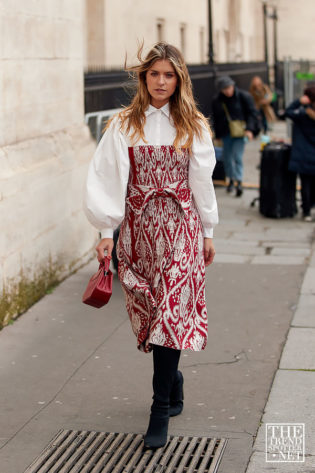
{"type": "Point", "coordinates": [165, 109]}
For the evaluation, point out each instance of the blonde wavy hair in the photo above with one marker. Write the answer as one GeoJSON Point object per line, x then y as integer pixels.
{"type": "Point", "coordinates": [186, 117]}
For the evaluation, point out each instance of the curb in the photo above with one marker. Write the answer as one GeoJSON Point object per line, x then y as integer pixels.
{"type": "Point", "coordinates": [293, 405]}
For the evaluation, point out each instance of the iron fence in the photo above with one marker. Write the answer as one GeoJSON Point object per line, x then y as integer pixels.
{"type": "Point", "coordinates": [293, 77]}
{"type": "Point", "coordinates": [113, 89]}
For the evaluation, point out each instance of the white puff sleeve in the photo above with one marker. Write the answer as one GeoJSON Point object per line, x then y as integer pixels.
{"type": "Point", "coordinates": [201, 167]}
{"type": "Point", "coordinates": [106, 186]}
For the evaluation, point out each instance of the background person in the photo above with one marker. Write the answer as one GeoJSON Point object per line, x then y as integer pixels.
{"type": "Point", "coordinates": [302, 160]}
{"type": "Point", "coordinates": [152, 171]}
{"type": "Point", "coordinates": [263, 96]}
{"type": "Point", "coordinates": [233, 104]}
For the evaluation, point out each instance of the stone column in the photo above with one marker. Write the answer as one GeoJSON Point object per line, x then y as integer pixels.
{"type": "Point", "coordinates": [44, 149]}
{"type": "Point", "coordinates": [95, 33]}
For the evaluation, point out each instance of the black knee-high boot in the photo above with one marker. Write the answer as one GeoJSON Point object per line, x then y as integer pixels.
{"type": "Point", "coordinates": [177, 395]}
{"type": "Point", "coordinates": [165, 363]}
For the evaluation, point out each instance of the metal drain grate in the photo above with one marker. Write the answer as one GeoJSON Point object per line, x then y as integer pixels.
{"type": "Point", "coordinates": [73, 451]}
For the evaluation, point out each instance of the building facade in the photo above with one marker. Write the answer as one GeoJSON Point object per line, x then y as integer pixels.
{"type": "Point", "coordinates": [238, 30]}
{"type": "Point", "coordinates": [44, 149]}
{"type": "Point", "coordinates": [116, 27]}
{"type": "Point", "coordinates": [45, 146]}
{"type": "Point", "coordinates": [295, 25]}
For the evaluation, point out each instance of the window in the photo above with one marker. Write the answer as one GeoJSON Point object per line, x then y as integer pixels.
{"type": "Point", "coordinates": [202, 45]}
{"type": "Point", "coordinates": [160, 29]}
{"type": "Point", "coordinates": [183, 39]}
{"type": "Point", "coordinates": [217, 45]}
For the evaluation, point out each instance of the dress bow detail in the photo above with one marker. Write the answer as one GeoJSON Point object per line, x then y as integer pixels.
{"type": "Point", "coordinates": [139, 195]}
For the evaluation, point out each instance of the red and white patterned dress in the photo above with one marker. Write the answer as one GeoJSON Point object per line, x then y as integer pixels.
{"type": "Point", "coordinates": [160, 246]}
{"type": "Point", "coordinates": [160, 252]}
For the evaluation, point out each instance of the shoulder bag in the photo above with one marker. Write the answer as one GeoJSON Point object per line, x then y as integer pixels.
{"type": "Point", "coordinates": [237, 127]}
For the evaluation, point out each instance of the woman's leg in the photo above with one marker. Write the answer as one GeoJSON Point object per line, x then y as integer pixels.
{"type": "Point", "coordinates": [264, 122]}
{"type": "Point", "coordinates": [227, 159]}
{"type": "Point", "coordinates": [177, 395]}
{"type": "Point", "coordinates": [306, 194]}
{"type": "Point", "coordinates": [165, 364]}
{"type": "Point", "coordinates": [237, 153]}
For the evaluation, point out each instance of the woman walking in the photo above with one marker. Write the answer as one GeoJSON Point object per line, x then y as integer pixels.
{"type": "Point", "coordinates": [234, 106]}
{"type": "Point", "coordinates": [263, 96]}
{"type": "Point", "coordinates": [302, 160]}
{"type": "Point", "coordinates": [152, 172]}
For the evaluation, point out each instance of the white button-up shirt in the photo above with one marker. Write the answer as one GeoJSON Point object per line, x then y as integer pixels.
{"type": "Point", "coordinates": [108, 174]}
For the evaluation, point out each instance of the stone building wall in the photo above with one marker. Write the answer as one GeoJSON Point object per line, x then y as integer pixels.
{"type": "Point", "coordinates": [44, 149]}
{"type": "Point", "coordinates": [237, 30]}
{"type": "Point", "coordinates": [125, 23]}
{"type": "Point", "coordinates": [295, 29]}
{"type": "Point", "coordinates": [114, 27]}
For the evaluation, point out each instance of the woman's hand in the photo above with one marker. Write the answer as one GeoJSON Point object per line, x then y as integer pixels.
{"type": "Point", "coordinates": [106, 244]}
{"type": "Point", "coordinates": [310, 112]}
{"type": "Point", "coordinates": [249, 134]}
{"type": "Point", "coordinates": [209, 251]}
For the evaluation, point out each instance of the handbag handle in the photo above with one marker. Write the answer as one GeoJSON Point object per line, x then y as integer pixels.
{"type": "Point", "coordinates": [105, 263]}
{"type": "Point", "coordinates": [228, 116]}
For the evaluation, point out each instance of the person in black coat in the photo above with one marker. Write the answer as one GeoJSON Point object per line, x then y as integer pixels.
{"type": "Point", "coordinates": [233, 104]}
{"type": "Point", "coordinates": [302, 160]}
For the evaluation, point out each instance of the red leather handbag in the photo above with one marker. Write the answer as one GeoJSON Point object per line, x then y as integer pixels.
{"type": "Point", "coordinates": [99, 288]}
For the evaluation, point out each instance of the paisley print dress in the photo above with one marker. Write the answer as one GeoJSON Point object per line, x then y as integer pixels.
{"type": "Point", "coordinates": [165, 203]}
{"type": "Point", "coordinates": [160, 252]}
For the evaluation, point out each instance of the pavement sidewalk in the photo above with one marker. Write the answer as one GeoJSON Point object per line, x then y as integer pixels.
{"type": "Point", "coordinates": [292, 395]}
{"type": "Point", "coordinates": [64, 365]}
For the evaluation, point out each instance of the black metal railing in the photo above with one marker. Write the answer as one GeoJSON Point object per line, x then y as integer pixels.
{"type": "Point", "coordinates": [111, 89]}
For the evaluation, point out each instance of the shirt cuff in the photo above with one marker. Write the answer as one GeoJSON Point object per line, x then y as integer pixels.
{"type": "Point", "coordinates": [107, 233]}
{"type": "Point", "coordinates": [208, 232]}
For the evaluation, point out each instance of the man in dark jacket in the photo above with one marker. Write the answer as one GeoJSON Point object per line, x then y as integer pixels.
{"type": "Point", "coordinates": [234, 104]}
{"type": "Point", "coordinates": [302, 160]}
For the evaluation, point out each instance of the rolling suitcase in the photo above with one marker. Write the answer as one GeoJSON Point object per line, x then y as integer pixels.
{"type": "Point", "coordinates": [277, 183]}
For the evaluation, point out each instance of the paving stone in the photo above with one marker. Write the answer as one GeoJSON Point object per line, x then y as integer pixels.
{"type": "Point", "coordinates": [238, 243]}
{"type": "Point", "coordinates": [286, 244]}
{"type": "Point", "coordinates": [230, 258]}
{"type": "Point", "coordinates": [242, 226]}
{"type": "Point", "coordinates": [298, 352]}
{"type": "Point", "coordinates": [286, 224]}
{"type": "Point", "coordinates": [287, 235]}
{"type": "Point", "coordinates": [258, 224]}
{"type": "Point", "coordinates": [308, 286]}
{"type": "Point", "coordinates": [278, 259]}
{"type": "Point", "coordinates": [312, 262]}
{"type": "Point", "coordinates": [305, 312]}
{"type": "Point", "coordinates": [227, 224]}
{"type": "Point", "coordinates": [248, 250]}
{"type": "Point", "coordinates": [220, 233]}
{"type": "Point", "coordinates": [291, 251]}
{"type": "Point", "coordinates": [261, 236]}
